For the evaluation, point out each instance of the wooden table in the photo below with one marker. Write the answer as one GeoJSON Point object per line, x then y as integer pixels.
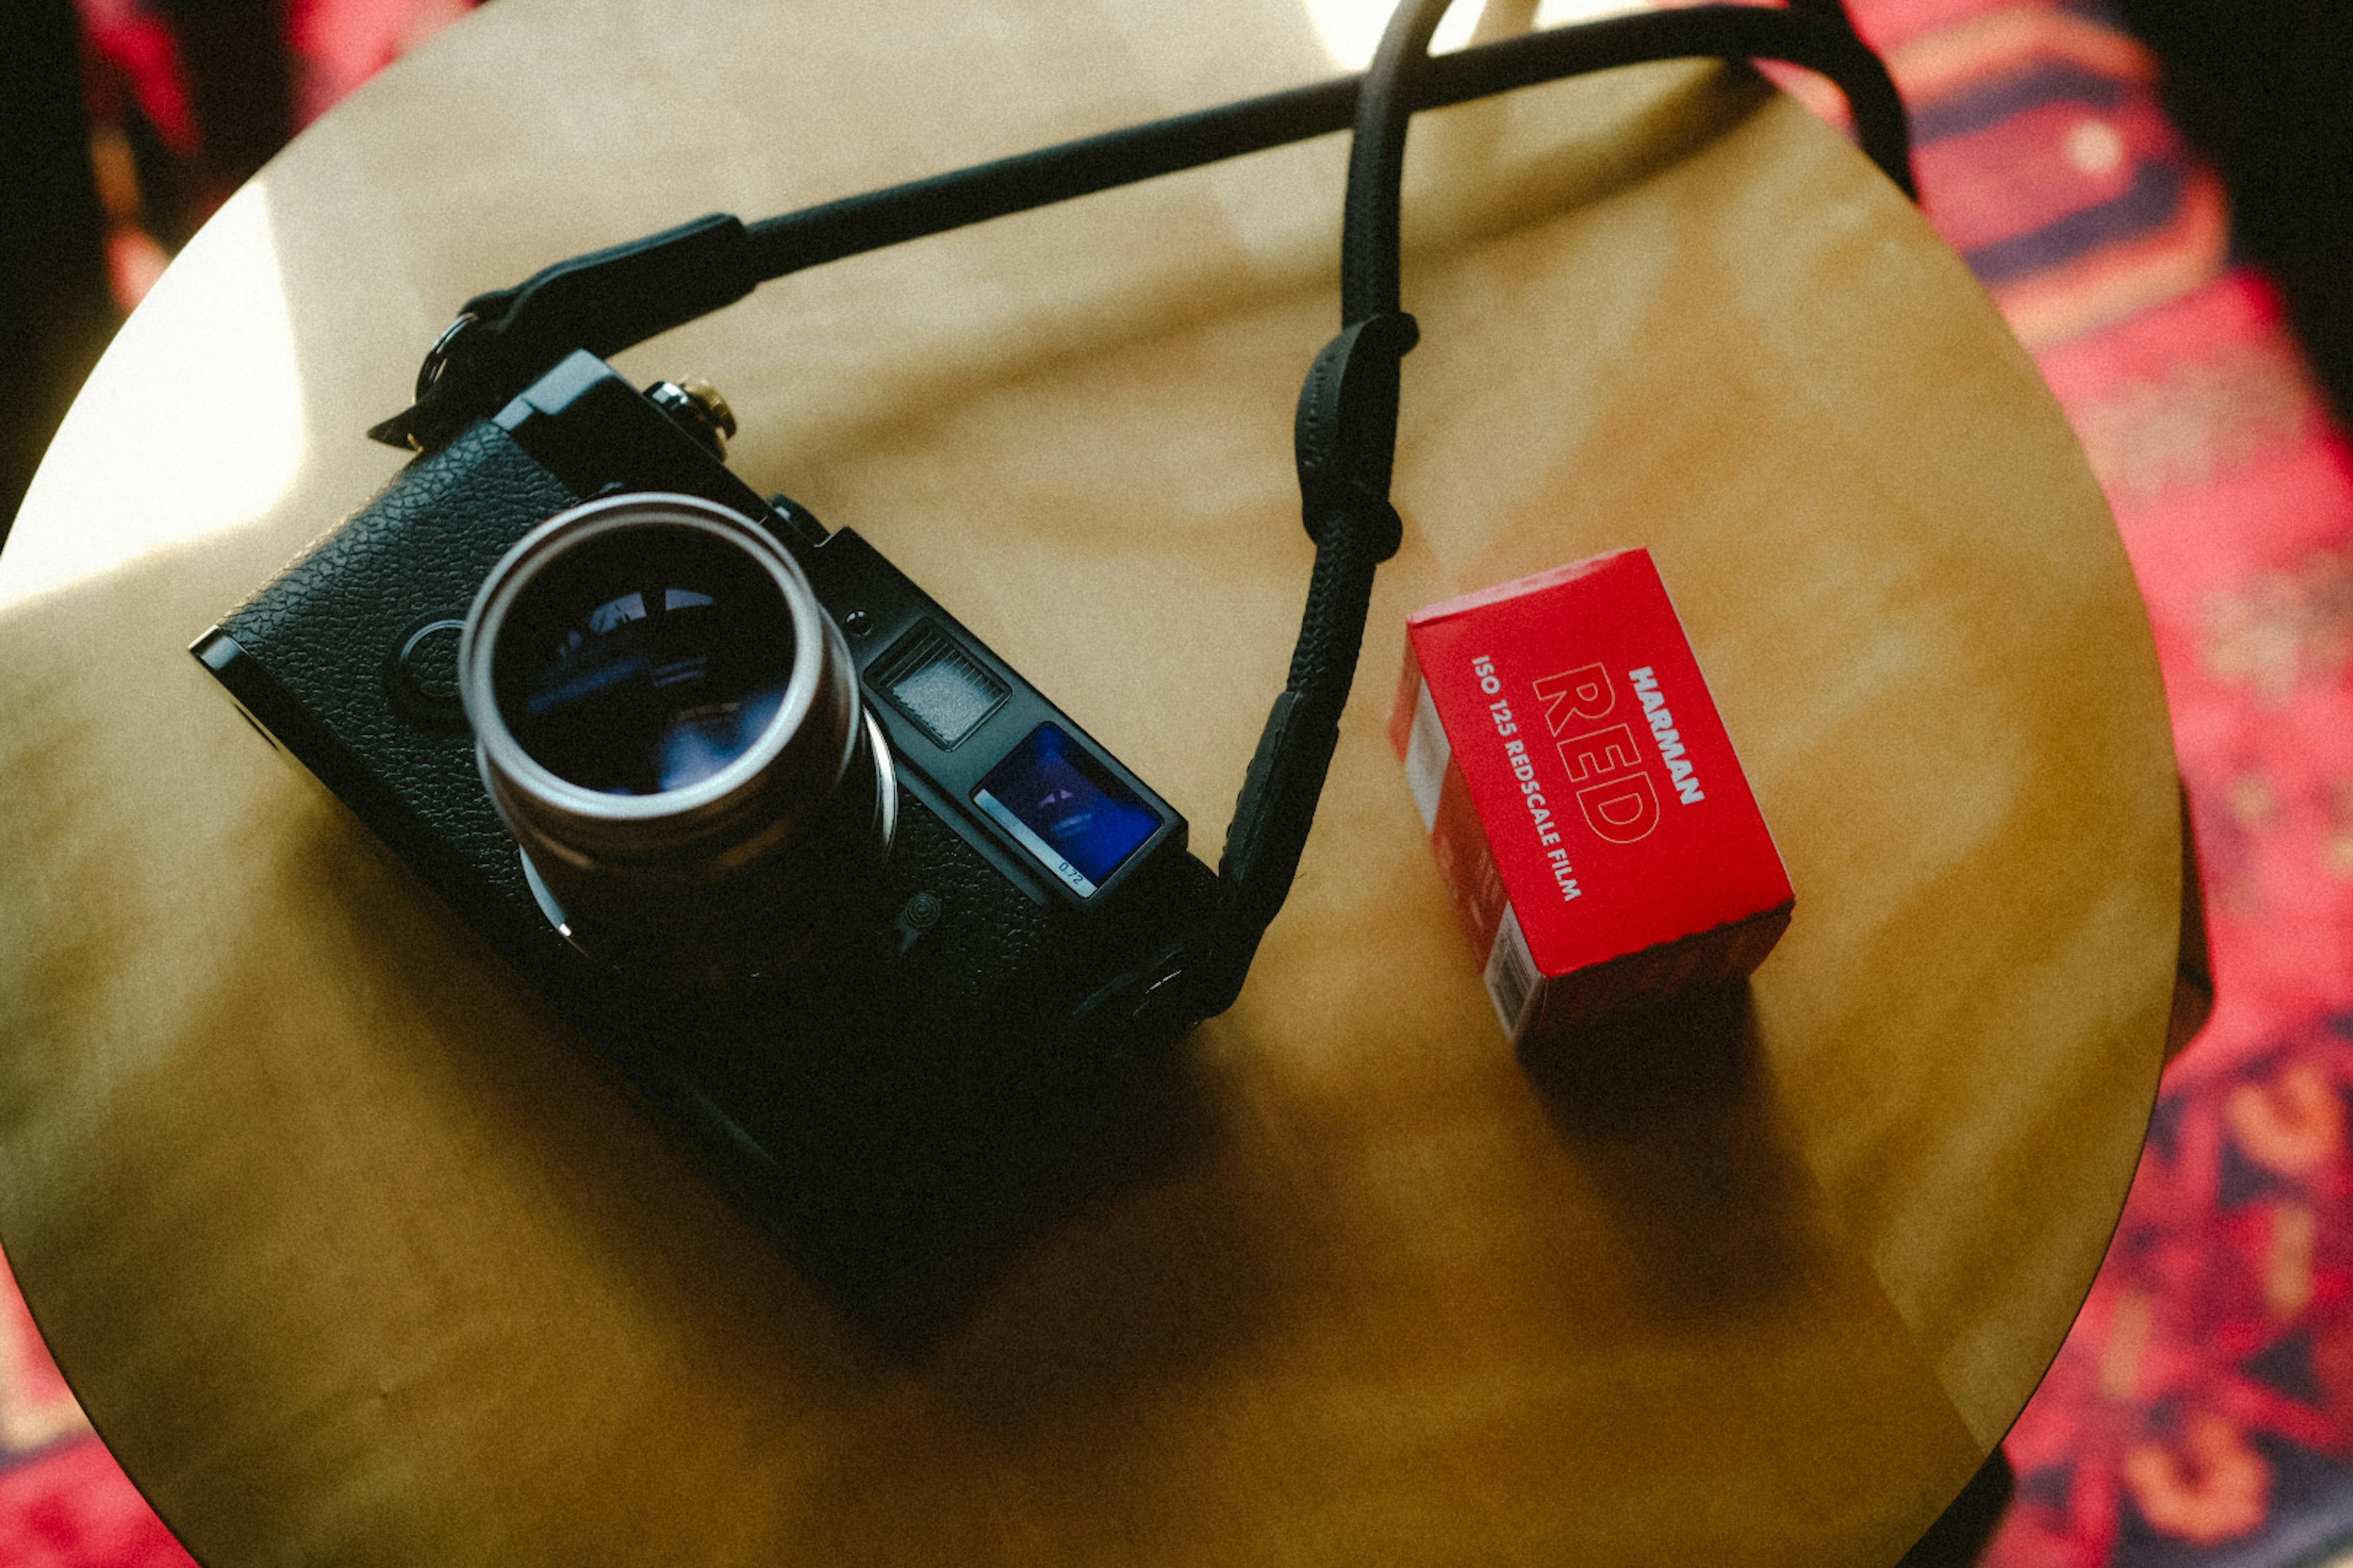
{"type": "Point", "coordinates": [353, 1259]}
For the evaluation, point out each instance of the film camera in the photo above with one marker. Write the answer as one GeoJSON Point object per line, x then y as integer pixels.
{"type": "Point", "coordinates": [866, 917]}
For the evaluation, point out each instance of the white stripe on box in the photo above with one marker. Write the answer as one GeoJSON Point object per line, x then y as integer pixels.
{"type": "Point", "coordinates": [1427, 754]}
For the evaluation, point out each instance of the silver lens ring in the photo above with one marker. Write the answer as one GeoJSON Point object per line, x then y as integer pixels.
{"type": "Point", "coordinates": [725, 873]}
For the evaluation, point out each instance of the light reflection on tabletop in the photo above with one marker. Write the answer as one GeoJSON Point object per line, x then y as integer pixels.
{"type": "Point", "coordinates": [1349, 30]}
{"type": "Point", "coordinates": [208, 433]}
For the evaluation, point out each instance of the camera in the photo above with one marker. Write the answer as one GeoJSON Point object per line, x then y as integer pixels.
{"type": "Point", "coordinates": [872, 924]}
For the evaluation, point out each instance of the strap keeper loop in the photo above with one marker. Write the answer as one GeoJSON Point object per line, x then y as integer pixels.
{"type": "Point", "coordinates": [1344, 434]}
{"type": "Point", "coordinates": [1375, 520]}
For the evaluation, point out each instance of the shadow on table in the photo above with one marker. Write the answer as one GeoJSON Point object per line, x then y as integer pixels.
{"type": "Point", "coordinates": [910, 1210]}
{"type": "Point", "coordinates": [1669, 1108]}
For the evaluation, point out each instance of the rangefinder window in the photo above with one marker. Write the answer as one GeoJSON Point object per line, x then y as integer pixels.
{"type": "Point", "coordinates": [1065, 808]}
{"type": "Point", "coordinates": [644, 662]}
{"type": "Point", "coordinates": [938, 686]}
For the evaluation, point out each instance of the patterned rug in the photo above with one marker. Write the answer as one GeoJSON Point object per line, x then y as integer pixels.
{"type": "Point", "coordinates": [2202, 1409]}
{"type": "Point", "coordinates": [2201, 1412]}
{"type": "Point", "coordinates": [64, 1502]}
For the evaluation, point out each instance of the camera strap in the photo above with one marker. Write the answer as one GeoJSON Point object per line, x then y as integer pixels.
{"type": "Point", "coordinates": [1344, 441]}
{"type": "Point", "coordinates": [1344, 430]}
{"type": "Point", "coordinates": [611, 300]}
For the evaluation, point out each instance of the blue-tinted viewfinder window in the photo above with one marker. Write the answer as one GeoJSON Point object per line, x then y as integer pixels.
{"type": "Point", "coordinates": [1066, 809]}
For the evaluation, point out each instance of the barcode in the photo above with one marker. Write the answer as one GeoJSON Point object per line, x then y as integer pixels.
{"type": "Point", "coordinates": [1511, 975]}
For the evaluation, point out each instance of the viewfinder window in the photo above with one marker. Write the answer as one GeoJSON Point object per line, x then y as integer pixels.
{"type": "Point", "coordinates": [1066, 808]}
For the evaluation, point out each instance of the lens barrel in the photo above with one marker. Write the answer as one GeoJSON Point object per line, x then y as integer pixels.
{"type": "Point", "coordinates": [668, 724]}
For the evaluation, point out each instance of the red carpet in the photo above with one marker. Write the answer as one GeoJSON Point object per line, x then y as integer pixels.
{"type": "Point", "coordinates": [64, 1502]}
{"type": "Point", "coordinates": [2202, 1410]}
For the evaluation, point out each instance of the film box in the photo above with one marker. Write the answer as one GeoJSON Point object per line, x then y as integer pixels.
{"type": "Point", "coordinates": [1600, 841]}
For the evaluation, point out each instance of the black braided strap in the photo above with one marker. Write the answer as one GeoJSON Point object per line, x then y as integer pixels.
{"type": "Point", "coordinates": [609, 299]}
{"type": "Point", "coordinates": [1279, 793]}
{"type": "Point", "coordinates": [1345, 439]}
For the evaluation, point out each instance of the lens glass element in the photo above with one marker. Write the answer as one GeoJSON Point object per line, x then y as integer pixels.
{"type": "Point", "coordinates": [644, 659]}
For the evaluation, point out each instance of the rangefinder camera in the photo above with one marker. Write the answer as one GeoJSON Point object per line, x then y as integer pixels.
{"type": "Point", "coordinates": [828, 882]}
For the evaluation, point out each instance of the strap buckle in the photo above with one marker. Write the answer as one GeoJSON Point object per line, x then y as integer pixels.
{"type": "Point", "coordinates": [604, 302]}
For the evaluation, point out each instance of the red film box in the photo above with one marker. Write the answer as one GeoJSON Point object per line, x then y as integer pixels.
{"type": "Point", "coordinates": [1581, 795]}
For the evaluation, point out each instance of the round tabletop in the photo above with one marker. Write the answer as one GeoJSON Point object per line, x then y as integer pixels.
{"type": "Point", "coordinates": [353, 1256]}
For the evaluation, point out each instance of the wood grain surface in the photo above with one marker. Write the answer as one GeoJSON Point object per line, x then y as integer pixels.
{"type": "Point", "coordinates": [352, 1257]}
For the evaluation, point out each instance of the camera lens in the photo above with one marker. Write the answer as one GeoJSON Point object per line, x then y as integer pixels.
{"type": "Point", "coordinates": [668, 724]}
{"type": "Point", "coordinates": [644, 660]}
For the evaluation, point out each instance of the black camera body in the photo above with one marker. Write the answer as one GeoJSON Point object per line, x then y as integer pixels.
{"type": "Point", "coordinates": [885, 1103]}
